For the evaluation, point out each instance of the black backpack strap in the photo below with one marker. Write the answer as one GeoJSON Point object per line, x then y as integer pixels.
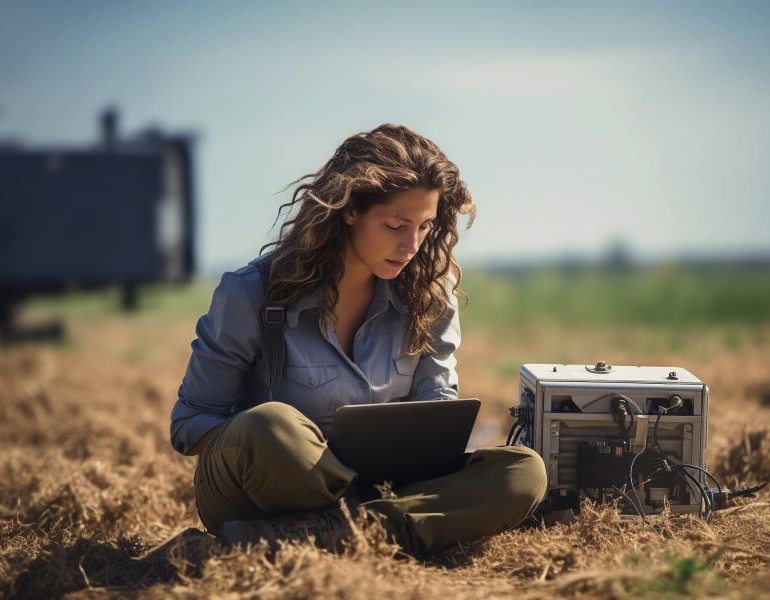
{"type": "Point", "coordinates": [273, 322]}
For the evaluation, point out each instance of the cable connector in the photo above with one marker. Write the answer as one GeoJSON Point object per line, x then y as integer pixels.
{"type": "Point", "coordinates": [518, 412]}
{"type": "Point", "coordinates": [675, 402]}
{"type": "Point", "coordinates": [720, 499]}
{"type": "Point", "coordinates": [524, 416]}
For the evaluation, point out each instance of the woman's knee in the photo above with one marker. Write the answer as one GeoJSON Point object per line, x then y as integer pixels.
{"type": "Point", "coordinates": [534, 474]}
{"type": "Point", "coordinates": [266, 423]}
{"type": "Point", "coordinates": [529, 479]}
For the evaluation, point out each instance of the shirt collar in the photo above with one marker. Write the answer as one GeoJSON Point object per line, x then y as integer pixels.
{"type": "Point", "coordinates": [384, 294]}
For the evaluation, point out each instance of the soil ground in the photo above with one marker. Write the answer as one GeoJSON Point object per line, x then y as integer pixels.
{"type": "Point", "coordinates": [89, 484]}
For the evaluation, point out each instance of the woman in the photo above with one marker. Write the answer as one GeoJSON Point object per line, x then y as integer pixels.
{"type": "Point", "coordinates": [365, 272]}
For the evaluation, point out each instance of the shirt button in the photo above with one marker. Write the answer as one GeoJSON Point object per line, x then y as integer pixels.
{"type": "Point", "coordinates": [311, 381]}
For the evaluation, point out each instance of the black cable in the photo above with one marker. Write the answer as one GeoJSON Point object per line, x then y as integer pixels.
{"type": "Point", "coordinates": [523, 416]}
{"type": "Point", "coordinates": [678, 468]}
{"type": "Point", "coordinates": [689, 466]}
{"type": "Point", "coordinates": [510, 434]}
{"type": "Point", "coordinates": [657, 448]}
{"type": "Point", "coordinates": [631, 479]}
{"type": "Point", "coordinates": [629, 402]}
{"type": "Point", "coordinates": [704, 494]}
{"type": "Point", "coordinates": [722, 492]}
{"type": "Point", "coordinates": [707, 501]}
{"type": "Point", "coordinates": [639, 509]}
{"type": "Point", "coordinates": [691, 488]}
{"type": "Point", "coordinates": [655, 433]}
{"type": "Point", "coordinates": [749, 491]}
{"type": "Point", "coordinates": [513, 435]}
{"type": "Point", "coordinates": [706, 473]}
{"type": "Point", "coordinates": [675, 402]}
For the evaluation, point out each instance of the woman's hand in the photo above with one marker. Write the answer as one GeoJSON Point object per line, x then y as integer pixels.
{"type": "Point", "coordinates": [205, 440]}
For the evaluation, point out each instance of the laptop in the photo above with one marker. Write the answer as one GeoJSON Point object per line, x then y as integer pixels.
{"type": "Point", "coordinates": [403, 442]}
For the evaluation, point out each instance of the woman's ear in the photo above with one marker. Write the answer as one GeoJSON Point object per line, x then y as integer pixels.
{"type": "Point", "coordinates": [349, 214]}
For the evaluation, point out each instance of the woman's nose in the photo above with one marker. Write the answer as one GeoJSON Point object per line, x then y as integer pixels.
{"type": "Point", "coordinates": [411, 242]}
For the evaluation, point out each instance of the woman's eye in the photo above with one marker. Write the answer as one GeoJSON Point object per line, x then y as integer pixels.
{"type": "Point", "coordinates": [393, 228]}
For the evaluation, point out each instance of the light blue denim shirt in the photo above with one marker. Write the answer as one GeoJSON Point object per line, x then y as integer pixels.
{"type": "Point", "coordinates": [226, 372]}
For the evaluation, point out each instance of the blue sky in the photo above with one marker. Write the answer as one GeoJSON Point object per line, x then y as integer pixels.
{"type": "Point", "coordinates": [575, 124]}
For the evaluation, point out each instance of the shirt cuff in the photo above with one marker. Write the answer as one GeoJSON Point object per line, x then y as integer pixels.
{"type": "Point", "coordinates": [191, 431]}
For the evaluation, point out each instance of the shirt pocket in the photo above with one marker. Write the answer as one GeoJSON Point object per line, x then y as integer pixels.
{"type": "Point", "coordinates": [313, 389]}
{"type": "Point", "coordinates": [403, 375]}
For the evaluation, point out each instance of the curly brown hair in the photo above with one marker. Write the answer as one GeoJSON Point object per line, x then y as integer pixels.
{"type": "Point", "coordinates": [370, 168]}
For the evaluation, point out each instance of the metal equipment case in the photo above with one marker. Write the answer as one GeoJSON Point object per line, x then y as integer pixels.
{"type": "Point", "coordinates": [569, 415]}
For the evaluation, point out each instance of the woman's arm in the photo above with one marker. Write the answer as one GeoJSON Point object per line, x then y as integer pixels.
{"type": "Point", "coordinates": [226, 348]}
{"type": "Point", "coordinates": [204, 441]}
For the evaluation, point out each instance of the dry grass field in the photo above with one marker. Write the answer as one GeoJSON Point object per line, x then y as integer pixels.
{"type": "Point", "coordinates": [89, 484]}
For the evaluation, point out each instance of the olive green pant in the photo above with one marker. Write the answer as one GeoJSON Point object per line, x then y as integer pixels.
{"type": "Point", "coordinates": [271, 459]}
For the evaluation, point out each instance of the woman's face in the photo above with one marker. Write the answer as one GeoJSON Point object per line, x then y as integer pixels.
{"type": "Point", "coordinates": [383, 240]}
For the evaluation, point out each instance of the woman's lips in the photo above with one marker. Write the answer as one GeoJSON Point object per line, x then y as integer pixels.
{"type": "Point", "coordinates": [397, 263]}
